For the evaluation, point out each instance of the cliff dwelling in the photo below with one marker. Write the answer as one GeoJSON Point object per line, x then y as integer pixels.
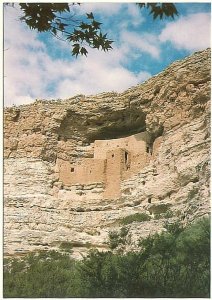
{"type": "Point", "coordinates": [75, 168]}
{"type": "Point", "coordinates": [113, 161]}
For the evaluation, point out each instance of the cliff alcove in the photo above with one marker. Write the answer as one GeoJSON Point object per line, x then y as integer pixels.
{"type": "Point", "coordinates": [108, 125]}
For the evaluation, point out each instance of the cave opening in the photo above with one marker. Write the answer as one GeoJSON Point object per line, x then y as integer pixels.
{"type": "Point", "coordinates": [117, 124]}
{"type": "Point", "coordinates": [106, 126]}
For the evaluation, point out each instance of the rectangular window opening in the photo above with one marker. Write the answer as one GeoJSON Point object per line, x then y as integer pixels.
{"type": "Point", "coordinates": [126, 157]}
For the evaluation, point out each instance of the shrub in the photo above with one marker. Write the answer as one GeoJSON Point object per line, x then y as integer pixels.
{"type": "Point", "coordinates": [169, 265]}
{"type": "Point", "coordinates": [66, 246]}
{"type": "Point", "coordinates": [159, 208]}
{"type": "Point", "coordinates": [39, 275]}
{"type": "Point", "coordinates": [167, 215]}
{"type": "Point", "coordinates": [119, 239]}
{"type": "Point", "coordinates": [176, 262]}
{"type": "Point", "coordinates": [172, 264]}
{"type": "Point", "coordinates": [137, 217]}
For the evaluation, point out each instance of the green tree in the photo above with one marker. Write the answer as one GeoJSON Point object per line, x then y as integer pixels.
{"type": "Point", "coordinates": [174, 263]}
{"type": "Point", "coordinates": [46, 274]}
{"type": "Point", "coordinates": [59, 20]}
{"type": "Point", "coordinates": [193, 253]}
{"type": "Point", "coordinates": [107, 274]}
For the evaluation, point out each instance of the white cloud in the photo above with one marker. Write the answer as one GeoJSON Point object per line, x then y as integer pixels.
{"type": "Point", "coordinates": [132, 17]}
{"type": "Point", "coordinates": [97, 73]}
{"type": "Point", "coordinates": [191, 32]}
{"type": "Point", "coordinates": [143, 42]}
{"type": "Point", "coordinates": [31, 73]}
{"type": "Point", "coordinates": [103, 8]}
{"type": "Point", "coordinates": [21, 78]}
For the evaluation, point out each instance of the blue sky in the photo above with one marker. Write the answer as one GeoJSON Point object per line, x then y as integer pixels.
{"type": "Point", "coordinates": [38, 66]}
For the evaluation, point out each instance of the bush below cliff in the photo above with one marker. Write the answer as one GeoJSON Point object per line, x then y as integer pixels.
{"type": "Point", "coordinates": [175, 263]}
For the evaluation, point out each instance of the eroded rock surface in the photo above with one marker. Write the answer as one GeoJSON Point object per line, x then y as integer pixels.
{"type": "Point", "coordinates": [42, 212]}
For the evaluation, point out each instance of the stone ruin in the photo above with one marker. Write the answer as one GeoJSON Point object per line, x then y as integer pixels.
{"type": "Point", "coordinates": [75, 168]}
{"type": "Point", "coordinates": [113, 161]}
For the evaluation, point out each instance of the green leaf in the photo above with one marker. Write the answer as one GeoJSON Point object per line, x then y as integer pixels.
{"type": "Point", "coordinates": [96, 25]}
{"type": "Point", "coordinates": [83, 51]}
{"type": "Point", "coordinates": [90, 16]}
{"type": "Point", "coordinates": [76, 49]}
{"type": "Point", "coordinates": [84, 26]}
{"type": "Point", "coordinates": [160, 9]}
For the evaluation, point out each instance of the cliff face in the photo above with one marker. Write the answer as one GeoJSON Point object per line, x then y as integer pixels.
{"type": "Point", "coordinates": [45, 141]}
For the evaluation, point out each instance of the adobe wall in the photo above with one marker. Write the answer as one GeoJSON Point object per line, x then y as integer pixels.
{"type": "Point", "coordinates": [114, 160]}
{"type": "Point", "coordinates": [86, 172]}
{"type": "Point", "coordinates": [137, 162]}
{"type": "Point", "coordinates": [115, 165]}
{"type": "Point", "coordinates": [135, 144]}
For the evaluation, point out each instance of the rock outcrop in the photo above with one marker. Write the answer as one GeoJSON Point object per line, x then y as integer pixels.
{"type": "Point", "coordinates": [42, 211]}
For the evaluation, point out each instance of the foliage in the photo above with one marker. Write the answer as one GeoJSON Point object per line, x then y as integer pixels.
{"type": "Point", "coordinates": [137, 217]}
{"type": "Point", "coordinates": [159, 208]}
{"type": "Point", "coordinates": [60, 20]}
{"type": "Point", "coordinates": [57, 18]}
{"type": "Point", "coordinates": [119, 239]}
{"type": "Point", "coordinates": [46, 274]}
{"type": "Point", "coordinates": [160, 9]}
{"type": "Point", "coordinates": [174, 228]}
{"type": "Point", "coordinates": [109, 275]}
{"type": "Point", "coordinates": [66, 247]}
{"type": "Point", "coordinates": [167, 215]}
{"type": "Point", "coordinates": [174, 263]}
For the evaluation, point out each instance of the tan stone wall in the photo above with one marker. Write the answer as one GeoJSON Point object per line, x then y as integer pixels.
{"type": "Point", "coordinates": [114, 160]}
{"type": "Point", "coordinates": [135, 144]}
{"type": "Point", "coordinates": [137, 163]}
{"type": "Point", "coordinates": [114, 168]}
{"type": "Point", "coordinates": [88, 171]}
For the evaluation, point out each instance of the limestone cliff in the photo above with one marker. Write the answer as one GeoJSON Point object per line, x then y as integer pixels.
{"type": "Point", "coordinates": [166, 177]}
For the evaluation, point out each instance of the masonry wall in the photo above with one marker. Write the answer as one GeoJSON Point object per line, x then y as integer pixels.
{"type": "Point", "coordinates": [114, 160]}
{"type": "Point", "coordinates": [135, 144]}
{"type": "Point", "coordinates": [88, 171]}
{"type": "Point", "coordinates": [114, 168]}
{"type": "Point", "coordinates": [137, 162]}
